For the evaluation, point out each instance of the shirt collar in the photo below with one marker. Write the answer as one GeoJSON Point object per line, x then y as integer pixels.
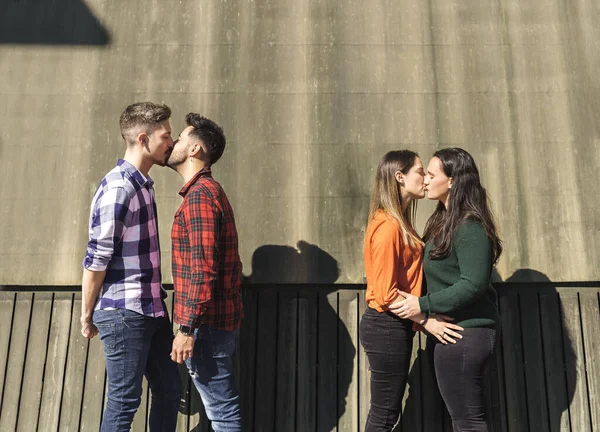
{"type": "Point", "coordinates": [204, 172]}
{"type": "Point", "coordinates": [135, 173]}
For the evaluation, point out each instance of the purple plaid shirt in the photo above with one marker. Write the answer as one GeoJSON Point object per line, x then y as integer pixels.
{"type": "Point", "coordinates": [124, 242]}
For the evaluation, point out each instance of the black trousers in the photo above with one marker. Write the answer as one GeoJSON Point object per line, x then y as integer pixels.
{"type": "Point", "coordinates": [459, 370]}
{"type": "Point", "coordinates": [387, 341]}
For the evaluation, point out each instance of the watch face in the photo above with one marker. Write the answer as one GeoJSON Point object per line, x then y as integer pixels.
{"type": "Point", "coordinates": [187, 330]}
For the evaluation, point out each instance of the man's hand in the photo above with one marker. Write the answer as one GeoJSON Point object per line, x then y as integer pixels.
{"type": "Point", "coordinates": [88, 329]}
{"type": "Point", "coordinates": [91, 284]}
{"type": "Point", "coordinates": [407, 308]}
{"type": "Point", "coordinates": [183, 346]}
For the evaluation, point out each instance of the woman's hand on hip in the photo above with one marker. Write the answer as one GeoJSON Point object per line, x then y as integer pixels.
{"type": "Point", "coordinates": [444, 331]}
{"type": "Point", "coordinates": [407, 307]}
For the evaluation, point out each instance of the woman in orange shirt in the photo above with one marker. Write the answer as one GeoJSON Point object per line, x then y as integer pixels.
{"type": "Point", "coordinates": [393, 254]}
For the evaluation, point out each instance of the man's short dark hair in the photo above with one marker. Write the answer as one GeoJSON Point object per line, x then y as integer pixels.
{"type": "Point", "coordinates": [146, 114]}
{"type": "Point", "coordinates": [209, 133]}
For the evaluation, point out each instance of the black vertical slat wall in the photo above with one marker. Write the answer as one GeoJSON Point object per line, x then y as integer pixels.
{"type": "Point", "coordinates": [301, 367]}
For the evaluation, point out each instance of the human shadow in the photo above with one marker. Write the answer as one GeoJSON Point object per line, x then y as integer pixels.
{"type": "Point", "coordinates": [57, 22]}
{"type": "Point", "coordinates": [295, 355]}
{"type": "Point", "coordinates": [538, 354]}
{"type": "Point", "coordinates": [303, 264]}
{"type": "Point", "coordinates": [303, 353]}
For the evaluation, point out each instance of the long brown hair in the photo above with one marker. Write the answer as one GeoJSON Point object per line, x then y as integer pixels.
{"type": "Point", "coordinates": [386, 193]}
{"type": "Point", "coordinates": [468, 200]}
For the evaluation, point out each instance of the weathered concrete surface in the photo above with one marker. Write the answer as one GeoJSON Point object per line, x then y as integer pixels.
{"type": "Point", "coordinates": [311, 94]}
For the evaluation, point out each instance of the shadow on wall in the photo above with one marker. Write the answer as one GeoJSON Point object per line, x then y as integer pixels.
{"type": "Point", "coordinates": [532, 377]}
{"type": "Point", "coordinates": [305, 264]}
{"type": "Point", "coordinates": [294, 350]}
{"type": "Point", "coordinates": [57, 22]}
{"type": "Point", "coordinates": [309, 351]}
{"type": "Point", "coordinates": [542, 318]}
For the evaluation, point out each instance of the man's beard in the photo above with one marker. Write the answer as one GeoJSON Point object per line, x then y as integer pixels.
{"type": "Point", "coordinates": [172, 163]}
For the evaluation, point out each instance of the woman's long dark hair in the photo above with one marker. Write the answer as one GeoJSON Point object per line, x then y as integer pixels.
{"type": "Point", "coordinates": [468, 200]}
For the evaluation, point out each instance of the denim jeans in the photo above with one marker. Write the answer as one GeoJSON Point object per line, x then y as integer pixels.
{"type": "Point", "coordinates": [459, 371]}
{"type": "Point", "coordinates": [136, 345]}
{"type": "Point", "coordinates": [211, 369]}
{"type": "Point", "coordinates": [387, 341]}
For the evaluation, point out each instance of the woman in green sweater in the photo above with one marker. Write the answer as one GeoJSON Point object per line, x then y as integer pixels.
{"type": "Point", "coordinates": [462, 247]}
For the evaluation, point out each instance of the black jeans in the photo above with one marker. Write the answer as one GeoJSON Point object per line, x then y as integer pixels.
{"type": "Point", "coordinates": [459, 370]}
{"type": "Point", "coordinates": [387, 341]}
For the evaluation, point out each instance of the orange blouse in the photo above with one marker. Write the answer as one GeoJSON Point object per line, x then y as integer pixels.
{"type": "Point", "coordinates": [390, 264]}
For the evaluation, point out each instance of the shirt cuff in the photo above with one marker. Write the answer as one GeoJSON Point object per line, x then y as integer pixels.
{"type": "Point", "coordinates": [191, 314]}
{"type": "Point", "coordinates": [425, 304]}
{"type": "Point", "coordinates": [194, 322]}
{"type": "Point", "coordinates": [94, 264]}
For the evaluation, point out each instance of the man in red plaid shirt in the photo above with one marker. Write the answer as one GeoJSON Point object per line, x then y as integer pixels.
{"type": "Point", "coordinates": [206, 273]}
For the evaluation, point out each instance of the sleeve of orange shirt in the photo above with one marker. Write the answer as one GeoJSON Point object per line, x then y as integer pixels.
{"type": "Point", "coordinates": [386, 263]}
{"type": "Point", "coordinates": [204, 228]}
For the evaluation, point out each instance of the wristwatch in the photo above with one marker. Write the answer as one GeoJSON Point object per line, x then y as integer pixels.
{"type": "Point", "coordinates": [186, 330]}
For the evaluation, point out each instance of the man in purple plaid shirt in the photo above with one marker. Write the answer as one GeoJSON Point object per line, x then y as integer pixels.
{"type": "Point", "coordinates": [122, 294]}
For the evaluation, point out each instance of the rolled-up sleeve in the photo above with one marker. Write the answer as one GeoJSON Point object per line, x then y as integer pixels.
{"type": "Point", "coordinates": [109, 218]}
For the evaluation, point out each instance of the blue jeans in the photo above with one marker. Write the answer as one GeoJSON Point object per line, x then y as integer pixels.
{"type": "Point", "coordinates": [211, 369]}
{"type": "Point", "coordinates": [136, 345]}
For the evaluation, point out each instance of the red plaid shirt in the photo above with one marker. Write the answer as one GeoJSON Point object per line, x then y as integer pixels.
{"type": "Point", "coordinates": [206, 265]}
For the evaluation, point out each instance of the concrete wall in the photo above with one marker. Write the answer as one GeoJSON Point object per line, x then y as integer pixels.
{"type": "Point", "coordinates": [310, 94]}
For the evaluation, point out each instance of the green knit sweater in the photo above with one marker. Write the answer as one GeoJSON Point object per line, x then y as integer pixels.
{"type": "Point", "coordinates": [459, 285]}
